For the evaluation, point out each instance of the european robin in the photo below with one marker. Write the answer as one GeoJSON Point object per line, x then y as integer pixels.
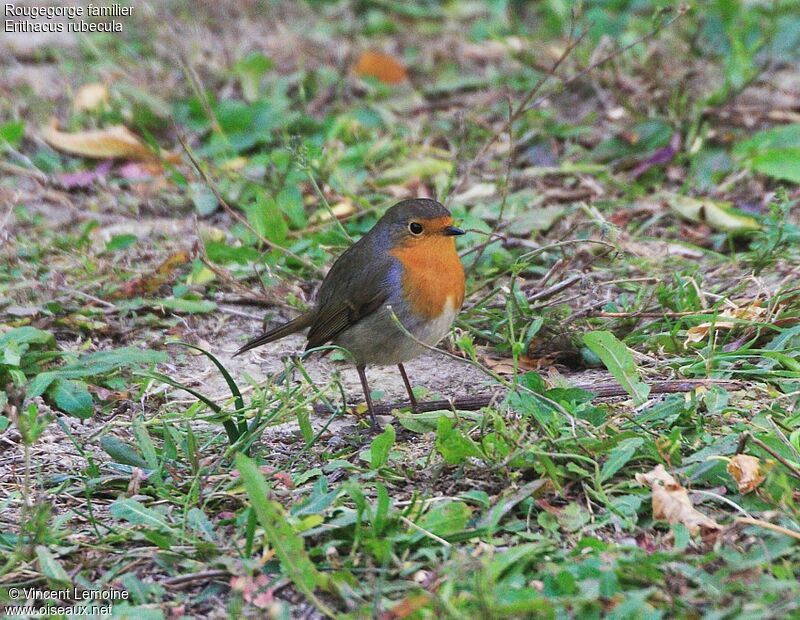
{"type": "Point", "coordinates": [406, 265]}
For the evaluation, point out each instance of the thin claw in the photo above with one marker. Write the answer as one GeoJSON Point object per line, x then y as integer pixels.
{"type": "Point", "coordinates": [365, 386]}
{"type": "Point", "coordinates": [411, 396]}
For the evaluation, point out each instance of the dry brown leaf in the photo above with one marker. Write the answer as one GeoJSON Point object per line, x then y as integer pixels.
{"type": "Point", "coordinates": [406, 607]}
{"type": "Point", "coordinates": [153, 281]}
{"type": "Point", "coordinates": [110, 143]}
{"type": "Point", "coordinates": [746, 470]}
{"type": "Point", "coordinates": [115, 142]}
{"type": "Point", "coordinates": [90, 97]}
{"type": "Point", "coordinates": [728, 319]}
{"type": "Point", "coordinates": [671, 502]}
{"type": "Point", "coordinates": [505, 366]}
{"type": "Point", "coordinates": [381, 66]}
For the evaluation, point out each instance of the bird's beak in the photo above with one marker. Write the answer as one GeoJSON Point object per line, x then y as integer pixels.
{"type": "Point", "coordinates": [452, 231]}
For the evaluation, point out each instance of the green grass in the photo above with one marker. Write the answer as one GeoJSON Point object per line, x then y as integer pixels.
{"type": "Point", "coordinates": [632, 301]}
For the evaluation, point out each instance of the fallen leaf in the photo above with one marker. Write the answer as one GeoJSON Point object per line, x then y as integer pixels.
{"type": "Point", "coordinates": [746, 470]}
{"type": "Point", "coordinates": [90, 97]}
{"type": "Point", "coordinates": [116, 142]}
{"type": "Point", "coordinates": [719, 214]}
{"type": "Point", "coordinates": [671, 502]}
{"type": "Point", "coordinates": [728, 319]}
{"type": "Point", "coordinates": [113, 142]}
{"type": "Point", "coordinates": [382, 67]}
{"type": "Point", "coordinates": [505, 366]}
{"type": "Point", "coordinates": [406, 607]}
{"type": "Point", "coordinates": [151, 282]}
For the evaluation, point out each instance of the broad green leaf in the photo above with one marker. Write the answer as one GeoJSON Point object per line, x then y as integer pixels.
{"type": "Point", "coordinates": [719, 214]}
{"type": "Point", "coordinates": [774, 152]}
{"type": "Point", "coordinates": [427, 421]}
{"type": "Point", "coordinates": [452, 444]}
{"type": "Point", "coordinates": [220, 252]}
{"type": "Point", "coordinates": [94, 364]}
{"type": "Point", "coordinates": [266, 219]}
{"type": "Point", "coordinates": [288, 545]}
{"type": "Point", "coordinates": [26, 335]}
{"type": "Point", "coordinates": [290, 202]}
{"type": "Point", "coordinates": [619, 457]}
{"type": "Point", "coordinates": [785, 137]}
{"type": "Point", "coordinates": [11, 354]}
{"type": "Point", "coordinates": [145, 443]}
{"type": "Point", "coordinates": [620, 363]}
{"type": "Point", "coordinates": [199, 522]}
{"type": "Point", "coordinates": [120, 242]}
{"type": "Point", "coordinates": [71, 397]}
{"type": "Point", "coordinates": [514, 557]}
{"type": "Point", "coordinates": [138, 514]}
{"type": "Point", "coordinates": [50, 566]}
{"type": "Point", "coordinates": [122, 452]}
{"type": "Point", "coordinates": [445, 519]}
{"type": "Point", "coordinates": [779, 164]}
{"type": "Point", "coordinates": [380, 448]}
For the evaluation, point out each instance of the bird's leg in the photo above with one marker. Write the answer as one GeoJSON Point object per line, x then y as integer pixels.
{"type": "Point", "coordinates": [411, 396]}
{"type": "Point", "coordinates": [365, 386]}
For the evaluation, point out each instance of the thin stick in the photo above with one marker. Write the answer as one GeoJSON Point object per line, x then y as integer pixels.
{"type": "Point", "coordinates": [793, 470]}
{"type": "Point", "coordinates": [601, 392]}
{"type": "Point", "coordinates": [769, 526]}
{"type": "Point", "coordinates": [430, 535]}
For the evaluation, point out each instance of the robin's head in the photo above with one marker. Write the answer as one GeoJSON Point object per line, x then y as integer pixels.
{"type": "Point", "coordinates": [418, 221]}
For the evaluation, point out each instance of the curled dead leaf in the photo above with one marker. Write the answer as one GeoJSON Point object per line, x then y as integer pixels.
{"type": "Point", "coordinates": [381, 66]}
{"type": "Point", "coordinates": [90, 97]}
{"type": "Point", "coordinates": [718, 214]}
{"type": "Point", "coordinates": [746, 470]}
{"type": "Point", "coordinates": [116, 142]}
{"type": "Point", "coordinates": [671, 502]}
{"type": "Point", "coordinates": [728, 319]}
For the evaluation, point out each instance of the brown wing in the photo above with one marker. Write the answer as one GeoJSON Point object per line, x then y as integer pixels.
{"type": "Point", "coordinates": [351, 291]}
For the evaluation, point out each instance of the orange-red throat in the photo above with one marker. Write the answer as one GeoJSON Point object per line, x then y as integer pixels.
{"type": "Point", "coordinates": [432, 272]}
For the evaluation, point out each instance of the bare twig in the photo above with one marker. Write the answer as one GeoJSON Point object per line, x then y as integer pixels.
{"type": "Point", "coordinates": [768, 525]}
{"type": "Point", "coordinates": [601, 392]}
{"type": "Point", "coordinates": [793, 469]}
{"type": "Point", "coordinates": [206, 575]}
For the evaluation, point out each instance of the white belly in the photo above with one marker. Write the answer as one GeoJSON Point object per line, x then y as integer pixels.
{"type": "Point", "coordinates": [377, 339]}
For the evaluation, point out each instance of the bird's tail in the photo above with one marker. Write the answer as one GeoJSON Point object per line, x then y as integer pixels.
{"type": "Point", "coordinates": [295, 325]}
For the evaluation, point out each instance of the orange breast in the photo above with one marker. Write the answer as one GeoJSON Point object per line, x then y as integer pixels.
{"type": "Point", "coordinates": [432, 274]}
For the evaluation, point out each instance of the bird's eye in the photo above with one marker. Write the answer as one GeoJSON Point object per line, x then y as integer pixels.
{"type": "Point", "coordinates": [415, 228]}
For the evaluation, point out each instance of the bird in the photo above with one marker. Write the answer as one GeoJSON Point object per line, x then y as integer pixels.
{"type": "Point", "coordinates": [406, 266]}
